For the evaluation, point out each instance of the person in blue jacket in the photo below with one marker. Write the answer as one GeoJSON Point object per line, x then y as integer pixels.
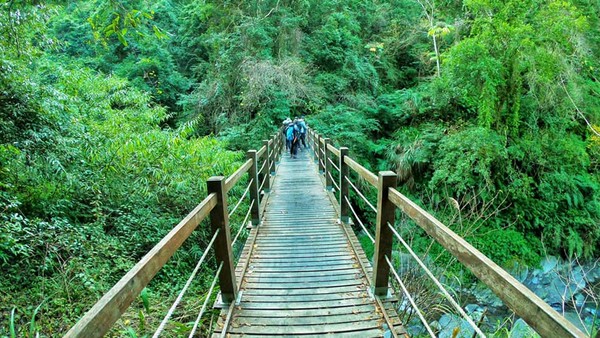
{"type": "Point", "coordinates": [291, 138]}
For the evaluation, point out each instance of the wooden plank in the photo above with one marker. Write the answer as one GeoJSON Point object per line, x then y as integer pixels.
{"type": "Point", "coordinates": [305, 305]}
{"type": "Point", "coordinates": [337, 283]}
{"type": "Point", "coordinates": [306, 329]}
{"type": "Point", "coordinates": [261, 151]}
{"type": "Point", "coordinates": [333, 150]}
{"type": "Point", "coordinates": [377, 333]}
{"type": "Point", "coordinates": [99, 319]}
{"type": "Point", "coordinates": [332, 319]}
{"type": "Point", "coordinates": [361, 171]}
{"type": "Point", "coordinates": [255, 278]}
{"type": "Point", "coordinates": [304, 298]}
{"type": "Point", "coordinates": [307, 291]}
{"type": "Point", "coordinates": [526, 304]}
{"type": "Point", "coordinates": [235, 177]}
{"type": "Point", "coordinates": [300, 313]}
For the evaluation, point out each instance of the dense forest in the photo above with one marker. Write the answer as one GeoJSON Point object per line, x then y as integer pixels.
{"type": "Point", "coordinates": [114, 113]}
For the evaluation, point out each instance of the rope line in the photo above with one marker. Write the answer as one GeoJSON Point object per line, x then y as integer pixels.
{"type": "Point", "coordinates": [208, 294]}
{"type": "Point", "coordinates": [241, 198]}
{"type": "Point", "coordinates": [358, 219]}
{"type": "Point", "coordinates": [410, 299]}
{"type": "Point", "coordinates": [263, 182]}
{"type": "Point", "coordinates": [437, 283]}
{"type": "Point", "coordinates": [322, 164]}
{"type": "Point", "coordinates": [262, 167]}
{"type": "Point", "coordinates": [333, 164]}
{"type": "Point", "coordinates": [333, 182]}
{"type": "Point", "coordinates": [242, 225]}
{"type": "Point", "coordinates": [361, 195]}
{"type": "Point", "coordinates": [185, 287]}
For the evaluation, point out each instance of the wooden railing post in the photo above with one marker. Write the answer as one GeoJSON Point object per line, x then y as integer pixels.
{"type": "Point", "coordinates": [384, 236]}
{"type": "Point", "coordinates": [219, 220]}
{"type": "Point", "coordinates": [267, 170]}
{"type": "Point", "coordinates": [328, 184]}
{"type": "Point", "coordinates": [344, 173]}
{"type": "Point", "coordinates": [314, 147]}
{"type": "Point", "coordinates": [319, 155]}
{"type": "Point", "coordinates": [254, 193]}
{"type": "Point", "coordinates": [274, 156]}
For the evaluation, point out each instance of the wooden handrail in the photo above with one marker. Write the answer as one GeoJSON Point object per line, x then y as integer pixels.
{"type": "Point", "coordinates": [333, 150]}
{"type": "Point", "coordinates": [526, 304]}
{"type": "Point", "coordinates": [99, 319]}
{"type": "Point", "coordinates": [261, 151]}
{"type": "Point", "coordinates": [362, 171]}
{"type": "Point", "coordinates": [235, 177]}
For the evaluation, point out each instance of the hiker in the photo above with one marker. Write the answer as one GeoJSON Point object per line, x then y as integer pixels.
{"type": "Point", "coordinates": [284, 128]}
{"type": "Point", "coordinates": [302, 129]}
{"type": "Point", "coordinates": [291, 138]}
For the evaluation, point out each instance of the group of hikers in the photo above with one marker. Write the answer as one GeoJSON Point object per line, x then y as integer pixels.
{"type": "Point", "coordinates": [295, 133]}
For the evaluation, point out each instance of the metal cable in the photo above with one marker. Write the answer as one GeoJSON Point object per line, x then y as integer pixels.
{"type": "Point", "coordinates": [185, 287]}
{"type": "Point", "coordinates": [361, 195]}
{"type": "Point", "coordinates": [333, 164]}
{"type": "Point", "coordinates": [358, 219]}
{"type": "Point", "coordinates": [208, 294]}
{"type": "Point", "coordinates": [262, 167]}
{"type": "Point", "coordinates": [241, 198]}
{"type": "Point", "coordinates": [410, 299]}
{"type": "Point", "coordinates": [322, 164]}
{"type": "Point", "coordinates": [263, 182]}
{"type": "Point", "coordinates": [242, 225]}
{"type": "Point", "coordinates": [437, 283]}
{"type": "Point", "coordinates": [333, 182]}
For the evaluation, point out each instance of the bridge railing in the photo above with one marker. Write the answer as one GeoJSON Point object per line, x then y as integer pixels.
{"type": "Point", "coordinates": [526, 304]}
{"type": "Point", "coordinates": [260, 166]}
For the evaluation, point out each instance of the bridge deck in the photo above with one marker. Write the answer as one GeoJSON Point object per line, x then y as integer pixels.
{"type": "Point", "coordinates": [303, 277]}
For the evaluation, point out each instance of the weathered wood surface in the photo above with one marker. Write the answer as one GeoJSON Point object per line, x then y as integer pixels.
{"type": "Point", "coordinates": [301, 275]}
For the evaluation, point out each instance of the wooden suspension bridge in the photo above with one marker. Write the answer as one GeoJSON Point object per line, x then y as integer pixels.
{"type": "Point", "coordinates": [302, 271]}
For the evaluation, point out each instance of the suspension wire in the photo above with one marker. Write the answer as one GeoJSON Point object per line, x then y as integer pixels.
{"type": "Point", "coordinates": [208, 294]}
{"type": "Point", "coordinates": [227, 320]}
{"type": "Point", "coordinates": [437, 283]}
{"type": "Point", "coordinates": [358, 219]}
{"type": "Point", "coordinates": [322, 164]}
{"type": "Point", "coordinates": [262, 167]}
{"type": "Point", "coordinates": [333, 182]}
{"type": "Point", "coordinates": [241, 198]}
{"type": "Point", "coordinates": [243, 222]}
{"type": "Point", "coordinates": [263, 182]}
{"type": "Point", "coordinates": [271, 153]}
{"type": "Point", "coordinates": [410, 299]}
{"type": "Point", "coordinates": [333, 164]}
{"type": "Point", "coordinates": [185, 287]}
{"type": "Point", "coordinates": [361, 195]}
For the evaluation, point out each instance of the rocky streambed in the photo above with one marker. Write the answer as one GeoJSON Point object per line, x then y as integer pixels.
{"type": "Point", "coordinates": [571, 288]}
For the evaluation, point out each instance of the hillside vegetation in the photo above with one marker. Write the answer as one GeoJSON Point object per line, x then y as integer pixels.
{"type": "Point", "coordinates": [114, 113]}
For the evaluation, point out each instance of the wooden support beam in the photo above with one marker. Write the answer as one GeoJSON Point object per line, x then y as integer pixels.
{"type": "Point", "coordinates": [326, 156]}
{"type": "Point", "coordinates": [254, 193]}
{"type": "Point", "coordinates": [267, 171]}
{"type": "Point", "coordinates": [344, 172]}
{"type": "Point", "coordinates": [319, 155]}
{"type": "Point", "coordinates": [219, 220]}
{"type": "Point", "coordinates": [384, 236]}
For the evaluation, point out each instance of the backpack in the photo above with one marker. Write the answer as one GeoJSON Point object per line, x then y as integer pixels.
{"type": "Point", "coordinates": [302, 127]}
{"type": "Point", "coordinates": [290, 133]}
